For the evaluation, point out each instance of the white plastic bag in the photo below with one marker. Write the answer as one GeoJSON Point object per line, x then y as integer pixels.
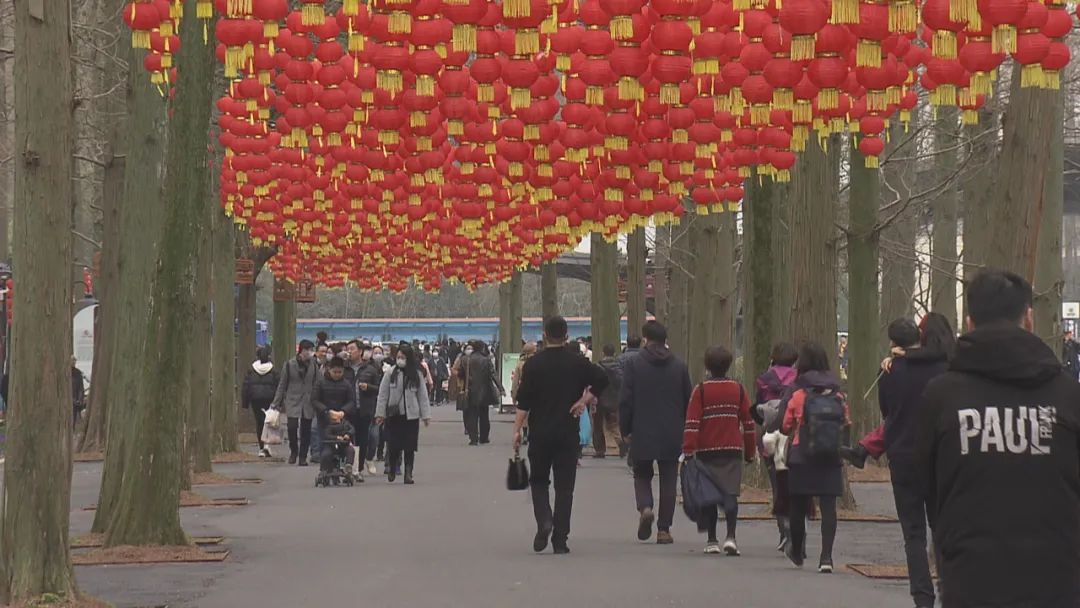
{"type": "Point", "coordinates": [272, 435]}
{"type": "Point", "coordinates": [776, 446]}
{"type": "Point", "coordinates": [273, 419]}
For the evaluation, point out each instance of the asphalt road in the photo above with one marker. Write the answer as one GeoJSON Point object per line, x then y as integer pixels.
{"type": "Point", "coordinates": [458, 538]}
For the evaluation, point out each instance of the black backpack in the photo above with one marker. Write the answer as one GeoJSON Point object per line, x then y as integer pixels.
{"type": "Point", "coordinates": [824, 422]}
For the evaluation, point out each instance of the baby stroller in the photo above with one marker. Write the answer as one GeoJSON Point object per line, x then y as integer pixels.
{"type": "Point", "coordinates": [341, 471]}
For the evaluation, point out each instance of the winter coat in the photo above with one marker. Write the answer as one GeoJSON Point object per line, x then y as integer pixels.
{"type": "Point", "coordinates": [899, 393]}
{"type": "Point", "coordinates": [624, 359]}
{"type": "Point", "coordinates": [999, 451]}
{"type": "Point", "coordinates": [260, 385]}
{"type": "Point", "coordinates": [294, 389]}
{"type": "Point", "coordinates": [412, 401]}
{"type": "Point", "coordinates": [652, 403]}
{"type": "Point", "coordinates": [718, 419]}
{"type": "Point", "coordinates": [552, 381]}
{"type": "Point", "coordinates": [480, 383]}
{"type": "Point", "coordinates": [794, 415]}
{"type": "Point", "coordinates": [78, 387]}
{"type": "Point", "coordinates": [371, 374]}
{"type": "Point", "coordinates": [609, 399]}
{"type": "Point", "coordinates": [330, 394]}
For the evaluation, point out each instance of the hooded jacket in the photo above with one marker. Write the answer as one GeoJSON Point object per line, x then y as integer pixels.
{"type": "Point", "coordinates": [260, 385]}
{"type": "Point", "coordinates": [999, 450]}
{"type": "Point", "coordinates": [652, 403]}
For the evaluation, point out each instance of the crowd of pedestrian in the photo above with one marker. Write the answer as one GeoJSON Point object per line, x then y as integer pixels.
{"type": "Point", "coordinates": [982, 436]}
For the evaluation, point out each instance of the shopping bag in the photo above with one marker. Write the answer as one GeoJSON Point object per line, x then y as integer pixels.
{"type": "Point", "coordinates": [585, 428]}
{"type": "Point", "coordinates": [698, 489]}
{"type": "Point", "coordinates": [272, 435]}
{"type": "Point", "coordinates": [517, 473]}
{"type": "Point", "coordinates": [273, 418]}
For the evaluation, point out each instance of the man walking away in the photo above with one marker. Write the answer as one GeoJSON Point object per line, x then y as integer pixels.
{"type": "Point", "coordinates": [633, 347]}
{"type": "Point", "coordinates": [606, 418]}
{"type": "Point", "coordinates": [652, 411]}
{"type": "Point", "coordinates": [1070, 355]}
{"type": "Point", "coordinates": [550, 399]}
{"type": "Point", "coordinates": [998, 447]}
{"type": "Point", "coordinates": [481, 392]}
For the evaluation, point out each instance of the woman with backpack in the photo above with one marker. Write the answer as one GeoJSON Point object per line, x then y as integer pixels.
{"type": "Point", "coordinates": [719, 432]}
{"type": "Point", "coordinates": [814, 417]}
{"type": "Point", "coordinates": [772, 386]}
{"type": "Point", "coordinates": [260, 386]}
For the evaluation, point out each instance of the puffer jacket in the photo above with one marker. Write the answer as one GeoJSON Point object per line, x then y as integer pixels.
{"type": "Point", "coordinates": [260, 385]}
{"type": "Point", "coordinates": [330, 394]}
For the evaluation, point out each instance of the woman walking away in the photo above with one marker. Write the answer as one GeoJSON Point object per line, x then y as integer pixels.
{"type": "Point", "coordinates": [720, 434]}
{"type": "Point", "coordinates": [403, 403]}
{"type": "Point", "coordinates": [257, 393]}
{"type": "Point", "coordinates": [815, 417]}
{"type": "Point", "coordinates": [294, 398]}
{"type": "Point", "coordinates": [772, 387]}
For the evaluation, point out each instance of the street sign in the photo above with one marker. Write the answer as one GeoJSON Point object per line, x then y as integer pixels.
{"type": "Point", "coordinates": [1070, 310]}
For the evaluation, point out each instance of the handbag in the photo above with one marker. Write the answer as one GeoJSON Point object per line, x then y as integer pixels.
{"type": "Point", "coordinates": [698, 489]}
{"type": "Point", "coordinates": [517, 473]}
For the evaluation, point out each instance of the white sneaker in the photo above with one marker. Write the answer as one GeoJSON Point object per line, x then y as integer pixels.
{"type": "Point", "coordinates": [266, 453]}
{"type": "Point", "coordinates": [712, 548]}
{"type": "Point", "coordinates": [262, 453]}
{"type": "Point", "coordinates": [730, 547]}
{"type": "Point", "coordinates": [371, 468]}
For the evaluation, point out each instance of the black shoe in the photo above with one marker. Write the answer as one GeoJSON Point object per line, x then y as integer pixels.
{"type": "Point", "coordinates": [408, 476]}
{"type": "Point", "coordinates": [391, 474]}
{"type": "Point", "coordinates": [474, 443]}
{"type": "Point", "coordinates": [485, 441]}
{"type": "Point", "coordinates": [292, 458]}
{"type": "Point", "coordinates": [599, 455]}
{"type": "Point", "coordinates": [645, 521]}
{"type": "Point", "coordinates": [540, 541]}
{"type": "Point", "coordinates": [302, 463]}
{"type": "Point", "coordinates": [797, 560]}
{"type": "Point", "coordinates": [560, 548]}
{"type": "Point", "coordinates": [856, 456]}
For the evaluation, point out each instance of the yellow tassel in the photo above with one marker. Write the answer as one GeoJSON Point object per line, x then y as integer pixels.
{"type": "Point", "coordinates": [872, 162]}
{"type": "Point", "coordinates": [350, 7]}
{"type": "Point", "coordinates": [545, 170]}
{"type": "Point", "coordinates": [701, 209]}
{"type": "Point", "coordinates": [783, 99]}
{"type": "Point", "coordinates": [630, 88]}
{"type": "Point", "coordinates": [205, 10]}
{"type": "Point", "coordinates": [485, 93]}
{"type": "Point", "coordinates": [680, 136]}
{"type": "Point", "coordinates": [903, 16]}
{"type": "Point", "coordinates": [669, 94]}
{"type": "Point", "coordinates": [759, 114]}
{"type": "Point", "coordinates": [418, 119]}
{"type": "Point", "coordinates": [520, 98]}
{"type": "Point", "coordinates": [613, 194]}
{"type": "Point", "coordinates": [140, 39]}
{"type": "Point", "coordinates": [464, 38]}
{"type": "Point", "coordinates": [389, 81]}
{"type": "Point", "coordinates": [614, 142]}
{"type": "Point", "coordinates": [312, 14]}
{"type": "Point", "coordinates": [802, 48]}
{"type": "Point", "coordinates": [802, 112]}
{"type": "Point", "coordinates": [516, 8]}
{"type": "Point", "coordinates": [877, 101]}
{"type": "Point", "coordinates": [1003, 39]}
{"type": "Point", "coordinates": [656, 166]}
{"type": "Point", "coordinates": [166, 28]}
{"type": "Point", "coordinates": [845, 11]}
{"type": "Point", "coordinates": [969, 117]}
{"type": "Point", "coordinates": [562, 63]}
{"type": "Point", "coordinates": [425, 85]}
{"type": "Point", "coordinates": [1051, 80]}
{"type": "Point", "coordinates": [622, 27]}
{"type": "Point", "coordinates": [526, 42]}
{"type": "Point", "coordinates": [868, 53]}
{"type": "Point", "coordinates": [356, 45]}
{"type": "Point", "coordinates": [1031, 76]}
{"type": "Point", "coordinates": [400, 22]}
{"type": "Point", "coordinates": [531, 132]}
{"type": "Point", "coordinates": [622, 172]}
{"type": "Point", "coordinates": [944, 44]}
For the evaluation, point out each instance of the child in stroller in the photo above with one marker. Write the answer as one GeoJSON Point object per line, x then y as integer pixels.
{"type": "Point", "coordinates": [335, 465]}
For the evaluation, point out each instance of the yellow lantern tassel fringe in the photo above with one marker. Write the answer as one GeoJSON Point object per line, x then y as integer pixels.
{"type": "Point", "coordinates": [425, 85]}
{"type": "Point", "coordinates": [516, 8]}
{"type": "Point", "coordinates": [464, 38]}
{"type": "Point", "coordinates": [944, 44]}
{"type": "Point", "coordinates": [594, 96]}
{"type": "Point", "coordinates": [845, 11]}
{"type": "Point", "coordinates": [526, 42]}
{"type": "Point", "coordinates": [1003, 39]}
{"type": "Point", "coordinates": [485, 93]}
{"type": "Point", "coordinates": [1031, 76]}
{"type": "Point", "coordinates": [622, 27]}
{"type": "Point", "coordinates": [783, 99]}
{"type": "Point", "coordinates": [312, 14]}
{"type": "Point", "coordinates": [802, 48]}
{"type": "Point", "coordinates": [356, 45]}
{"type": "Point", "coordinates": [350, 7]}
{"type": "Point", "coordinates": [868, 53]}
{"type": "Point", "coordinates": [903, 16]}
{"type": "Point", "coordinates": [400, 22]}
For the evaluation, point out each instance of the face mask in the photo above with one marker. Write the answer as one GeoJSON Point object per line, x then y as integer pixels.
{"type": "Point", "coordinates": [378, 357]}
{"type": "Point", "coordinates": [401, 362]}
{"type": "Point", "coordinates": [468, 351]}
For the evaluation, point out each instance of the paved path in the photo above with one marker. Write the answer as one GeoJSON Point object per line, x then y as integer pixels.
{"type": "Point", "coordinates": [458, 538]}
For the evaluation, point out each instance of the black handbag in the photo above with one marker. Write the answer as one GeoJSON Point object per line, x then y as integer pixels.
{"type": "Point", "coordinates": [517, 474]}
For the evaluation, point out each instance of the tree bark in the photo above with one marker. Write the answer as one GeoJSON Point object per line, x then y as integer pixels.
{"type": "Point", "coordinates": [605, 294]}
{"type": "Point", "coordinates": [783, 267]}
{"type": "Point", "coordinates": [725, 287]}
{"type": "Point", "coordinates": [863, 312]}
{"type": "Point", "coordinates": [980, 185]}
{"type": "Point", "coordinates": [1018, 198]}
{"type": "Point", "coordinates": [813, 246]}
{"type": "Point", "coordinates": [759, 271]}
{"type": "Point", "coordinates": [897, 254]}
{"type": "Point", "coordinates": [510, 316]}
{"type": "Point", "coordinates": [283, 331]}
{"type": "Point", "coordinates": [636, 261]}
{"type": "Point", "coordinates": [197, 433]}
{"type": "Point", "coordinates": [943, 251]}
{"type": "Point", "coordinates": [147, 510]}
{"type": "Point", "coordinates": [1049, 282]}
{"type": "Point", "coordinates": [223, 413]}
{"type": "Point", "coordinates": [679, 290]}
{"type": "Point", "coordinates": [661, 272]}
{"type": "Point", "coordinates": [704, 247]}
{"type": "Point", "coordinates": [34, 554]}
{"type": "Point", "coordinates": [141, 214]}
{"type": "Point", "coordinates": [549, 291]}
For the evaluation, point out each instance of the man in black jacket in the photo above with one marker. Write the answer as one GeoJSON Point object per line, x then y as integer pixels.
{"type": "Point", "coordinates": [899, 394]}
{"type": "Point", "coordinates": [652, 413]}
{"type": "Point", "coordinates": [999, 451]}
{"type": "Point", "coordinates": [550, 398]}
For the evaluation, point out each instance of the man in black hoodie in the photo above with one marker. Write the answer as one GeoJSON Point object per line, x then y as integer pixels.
{"type": "Point", "coordinates": [999, 451]}
{"type": "Point", "coordinates": [652, 413]}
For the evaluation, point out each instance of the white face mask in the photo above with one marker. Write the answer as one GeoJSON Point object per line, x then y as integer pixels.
{"type": "Point", "coordinates": [468, 351]}
{"type": "Point", "coordinates": [378, 357]}
{"type": "Point", "coordinates": [401, 362]}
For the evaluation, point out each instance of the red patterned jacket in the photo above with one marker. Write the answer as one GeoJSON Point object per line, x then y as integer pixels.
{"type": "Point", "coordinates": [718, 419]}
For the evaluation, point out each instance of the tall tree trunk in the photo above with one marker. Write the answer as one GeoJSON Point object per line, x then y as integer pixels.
{"type": "Point", "coordinates": [661, 272]}
{"type": "Point", "coordinates": [679, 291]}
{"type": "Point", "coordinates": [34, 554]}
{"type": "Point", "coordinates": [141, 214]}
{"type": "Point", "coordinates": [759, 271]}
{"type": "Point", "coordinates": [897, 253]}
{"type": "Point", "coordinates": [783, 267]}
{"type": "Point", "coordinates": [147, 511]}
{"type": "Point", "coordinates": [1049, 282]}
{"type": "Point", "coordinates": [283, 331]}
{"type": "Point", "coordinates": [980, 185]}
{"type": "Point", "coordinates": [223, 412]}
{"type": "Point", "coordinates": [7, 124]}
{"type": "Point", "coordinates": [549, 290]}
{"type": "Point", "coordinates": [864, 200]}
{"type": "Point", "coordinates": [197, 433]}
{"type": "Point", "coordinates": [605, 294]}
{"type": "Point", "coordinates": [943, 256]}
{"type": "Point", "coordinates": [636, 260]}
{"type": "Point", "coordinates": [1018, 199]}
{"type": "Point", "coordinates": [704, 247]}
{"type": "Point", "coordinates": [509, 317]}
{"type": "Point", "coordinates": [813, 246]}
{"type": "Point", "coordinates": [725, 296]}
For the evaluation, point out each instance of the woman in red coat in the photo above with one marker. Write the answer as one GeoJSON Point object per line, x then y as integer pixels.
{"type": "Point", "coordinates": [720, 434]}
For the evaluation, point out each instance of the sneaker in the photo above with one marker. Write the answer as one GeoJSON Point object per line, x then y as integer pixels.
{"type": "Point", "coordinates": [560, 548]}
{"type": "Point", "coordinates": [796, 560]}
{"type": "Point", "coordinates": [780, 546]}
{"type": "Point", "coordinates": [730, 548]}
{"type": "Point", "coordinates": [712, 547]}
{"type": "Point", "coordinates": [371, 467]}
{"type": "Point", "coordinates": [292, 458]}
{"type": "Point", "coordinates": [543, 533]}
{"type": "Point", "coordinates": [266, 452]}
{"type": "Point", "coordinates": [302, 463]}
{"type": "Point", "coordinates": [262, 453]}
{"type": "Point", "coordinates": [663, 537]}
{"type": "Point", "coordinates": [825, 567]}
{"type": "Point", "coordinates": [644, 528]}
